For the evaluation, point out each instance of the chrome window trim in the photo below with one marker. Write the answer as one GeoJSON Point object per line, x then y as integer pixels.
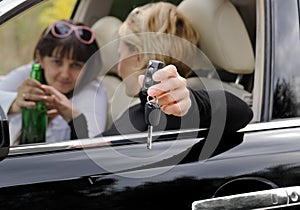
{"type": "Point", "coordinates": [136, 138]}
{"type": "Point", "coordinates": [259, 61]}
{"type": "Point", "coordinates": [275, 124]}
{"type": "Point", "coordinates": [93, 142]}
{"type": "Point", "coordinates": [12, 8]}
{"type": "Point", "coordinates": [7, 5]}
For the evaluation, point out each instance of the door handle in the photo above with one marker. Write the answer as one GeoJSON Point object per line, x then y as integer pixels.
{"type": "Point", "coordinates": [266, 199]}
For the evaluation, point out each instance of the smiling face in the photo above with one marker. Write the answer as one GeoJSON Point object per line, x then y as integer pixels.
{"type": "Point", "coordinates": [61, 73]}
{"type": "Point", "coordinates": [62, 59]}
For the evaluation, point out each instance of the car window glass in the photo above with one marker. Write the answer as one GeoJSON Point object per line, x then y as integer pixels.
{"type": "Point", "coordinates": [286, 59]}
{"type": "Point", "coordinates": [18, 36]}
{"type": "Point", "coordinates": [24, 33]}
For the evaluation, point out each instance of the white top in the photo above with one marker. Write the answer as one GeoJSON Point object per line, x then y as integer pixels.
{"type": "Point", "coordinates": [91, 100]}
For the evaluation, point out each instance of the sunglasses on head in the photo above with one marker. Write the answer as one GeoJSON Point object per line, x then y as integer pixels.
{"type": "Point", "coordinates": [62, 29]}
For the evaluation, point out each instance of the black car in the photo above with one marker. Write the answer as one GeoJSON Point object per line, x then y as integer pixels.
{"type": "Point", "coordinates": [255, 168]}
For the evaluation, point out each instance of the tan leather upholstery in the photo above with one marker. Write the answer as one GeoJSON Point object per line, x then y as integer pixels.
{"type": "Point", "coordinates": [224, 39]}
{"type": "Point", "coordinates": [223, 35]}
{"type": "Point", "coordinates": [106, 30]}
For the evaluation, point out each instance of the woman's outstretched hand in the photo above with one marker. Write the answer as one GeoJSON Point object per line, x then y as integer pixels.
{"type": "Point", "coordinates": [171, 91]}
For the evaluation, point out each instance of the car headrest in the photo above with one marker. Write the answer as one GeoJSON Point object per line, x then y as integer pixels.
{"type": "Point", "coordinates": [223, 36]}
{"type": "Point", "coordinates": [106, 31]}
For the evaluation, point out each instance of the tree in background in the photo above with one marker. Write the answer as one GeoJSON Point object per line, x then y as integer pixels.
{"type": "Point", "coordinates": [19, 36]}
{"type": "Point", "coordinates": [57, 10]}
{"type": "Point", "coordinates": [284, 104]}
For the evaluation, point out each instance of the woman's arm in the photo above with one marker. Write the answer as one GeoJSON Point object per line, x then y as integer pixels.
{"type": "Point", "coordinates": [198, 108]}
{"type": "Point", "coordinates": [92, 101]}
{"type": "Point", "coordinates": [7, 98]}
{"type": "Point", "coordinates": [12, 80]}
{"type": "Point", "coordinates": [79, 128]}
{"type": "Point", "coordinates": [87, 109]}
{"type": "Point", "coordinates": [220, 109]}
{"type": "Point", "coordinates": [9, 85]}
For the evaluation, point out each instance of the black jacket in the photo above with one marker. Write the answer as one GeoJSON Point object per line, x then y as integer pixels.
{"type": "Point", "coordinates": [223, 110]}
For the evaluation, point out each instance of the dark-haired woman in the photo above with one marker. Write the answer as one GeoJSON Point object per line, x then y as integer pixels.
{"type": "Point", "coordinates": [70, 61]}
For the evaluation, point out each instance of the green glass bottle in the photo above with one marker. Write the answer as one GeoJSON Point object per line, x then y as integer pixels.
{"type": "Point", "coordinates": [34, 119]}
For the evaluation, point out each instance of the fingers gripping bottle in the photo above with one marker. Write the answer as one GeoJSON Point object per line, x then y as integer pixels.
{"type": "Point", "coordinates": [34, 119]}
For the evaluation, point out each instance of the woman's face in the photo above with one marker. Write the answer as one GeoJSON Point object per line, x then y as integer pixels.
{"type": "Point", "coordinates": [61, 73]}
{"type": "Point", "coordinates": [127, 68]}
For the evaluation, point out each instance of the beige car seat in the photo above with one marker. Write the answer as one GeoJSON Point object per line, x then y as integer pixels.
{"type": "Point", "coordinates": [106, 30]}
{"type": "Point", "coordinates": [224, 39]}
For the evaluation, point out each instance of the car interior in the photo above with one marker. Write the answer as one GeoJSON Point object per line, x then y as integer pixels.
{"type": "Point", "coordinates": [227, 30]}
{"type": "Point", "coordinates": [224, 38]}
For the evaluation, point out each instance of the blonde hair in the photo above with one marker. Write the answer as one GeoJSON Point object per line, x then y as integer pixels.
{"type": "Point", "coordinates": [161, 32]}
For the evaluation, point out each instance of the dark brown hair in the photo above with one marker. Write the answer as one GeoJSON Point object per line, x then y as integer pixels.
{"type": "Point", "coordinates": [69, 47]}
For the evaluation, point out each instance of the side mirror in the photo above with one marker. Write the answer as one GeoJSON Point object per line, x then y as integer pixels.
{"type": "Point", "coordinates": [4, 135]}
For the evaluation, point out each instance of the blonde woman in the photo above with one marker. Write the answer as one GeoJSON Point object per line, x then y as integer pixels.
{"type": "Point", "coordinates": [158, 31]}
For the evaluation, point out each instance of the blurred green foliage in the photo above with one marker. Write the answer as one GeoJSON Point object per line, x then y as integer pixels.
{"type": "Point", "coordinates": [59, 9]}
{"type": "Point", "coordinates": [19, 36]}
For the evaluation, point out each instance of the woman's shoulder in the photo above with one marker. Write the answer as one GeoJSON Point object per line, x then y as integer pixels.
{"type": "Point", "coordinates": [13, 79]}
{"type": "Point", "coordinates": [93, 88]}
{"type": "Point", "coordinates": [24, 69]}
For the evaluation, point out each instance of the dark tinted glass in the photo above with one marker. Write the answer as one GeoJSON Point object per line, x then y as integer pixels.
{"type": "Point", "coordinates": [84, 34]}
{"type": "Point", "coordinates": [61, 29]}
{"type": "Point", "coordinates": [286, 59]}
